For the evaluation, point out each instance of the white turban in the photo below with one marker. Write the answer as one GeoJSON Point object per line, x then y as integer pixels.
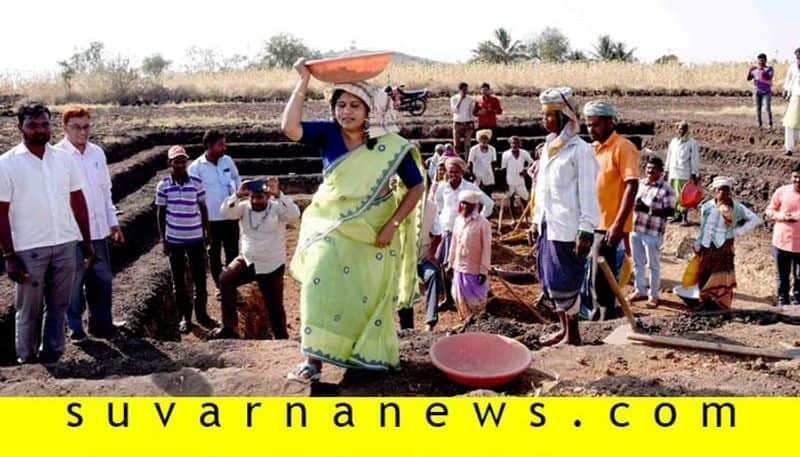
{"type": "Point", "coordinates": [600, 108]}
{"type": "Point", "coordinates": [559, 99]}
{"type": "Point", "coordinates": [721, 181]}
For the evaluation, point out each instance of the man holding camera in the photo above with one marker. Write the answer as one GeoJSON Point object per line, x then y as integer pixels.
{"type": "Point", "coordinates": [262, 211]}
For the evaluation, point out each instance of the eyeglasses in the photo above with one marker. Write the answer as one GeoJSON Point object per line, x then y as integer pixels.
{"type": "Point", "coordinates": [79, 127]}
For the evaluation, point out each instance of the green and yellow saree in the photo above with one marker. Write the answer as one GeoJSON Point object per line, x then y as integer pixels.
{"type": "Point", "coordinates": [350, 289]}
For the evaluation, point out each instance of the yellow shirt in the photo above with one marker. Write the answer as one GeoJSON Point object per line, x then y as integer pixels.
{"type": "Point", "coordinates": [619, 162]}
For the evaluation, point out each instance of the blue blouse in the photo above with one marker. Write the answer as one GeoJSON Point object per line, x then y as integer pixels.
{"type": "Point", "coordinates": [326, 136]}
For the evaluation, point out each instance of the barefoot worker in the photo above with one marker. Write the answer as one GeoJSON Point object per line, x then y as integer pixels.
{"type": "Point", "coordinates": [722, 220]}
{"type": "Point", "coordinates": [356, 255]}
{"type": "Point", "coordinates": [566, 211]}
{"type": "Point", "coordinates": [682, 164]}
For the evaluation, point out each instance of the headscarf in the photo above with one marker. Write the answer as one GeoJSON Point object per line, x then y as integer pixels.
{"type": "Point", "coordinates": [680, 124]}
{"type": "Point", "coordinates": [439, 148]}
{"type": "Point", "coordinates": [600, 108]}
{"type": "Point", "coordinates": [456, 161]}
{"type": "Point", "coordinates": [469, 196]}
{"type": "Point", "coordinates": [560, 99]}
{"type": "Point", "coordinates": [382, 115]}
{"type": "Point", "coordinates": [483, 132]}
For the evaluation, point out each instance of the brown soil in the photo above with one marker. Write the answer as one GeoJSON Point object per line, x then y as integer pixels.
{"type": "Point", "coordinates": [150, 358]}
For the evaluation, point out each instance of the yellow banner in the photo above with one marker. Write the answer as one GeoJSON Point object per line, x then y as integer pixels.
{"type": "Point", "coordinates": [464, 426]}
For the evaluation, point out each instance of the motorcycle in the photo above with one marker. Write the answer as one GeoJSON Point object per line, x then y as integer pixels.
{"type": "Point", "coordinates": [415, 102]}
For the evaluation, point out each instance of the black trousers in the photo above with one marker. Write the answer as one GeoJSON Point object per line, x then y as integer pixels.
{"type": "Point", "coordinates": [271, 287]}
{"type": "Point", "coordinates": [224, 234]}
{"type": "Point", "coordinates": [788, 266]}
{"type": "Point", "coordinates": [178, 254]}
{"type": "Point", "coordinates": [606, 306]}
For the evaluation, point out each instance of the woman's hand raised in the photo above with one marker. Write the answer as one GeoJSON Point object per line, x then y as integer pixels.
{"type": "Point", "coordinates": [301, 68]}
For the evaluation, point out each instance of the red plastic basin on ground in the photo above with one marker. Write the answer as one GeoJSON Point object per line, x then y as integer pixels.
{"type": "Point", "coordinates": [480, 359]}
{"type": "Point", "coordinates": [691, 194]}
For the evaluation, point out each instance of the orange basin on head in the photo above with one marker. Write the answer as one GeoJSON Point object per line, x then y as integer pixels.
{"type": "Point", "coordinates": [480, 359]}
{"type": "Point", "coordinates": [349, 69]}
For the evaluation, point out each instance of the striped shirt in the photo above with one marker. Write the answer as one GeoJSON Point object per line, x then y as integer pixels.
{"type": "Point", "coordinates": [182, 202]}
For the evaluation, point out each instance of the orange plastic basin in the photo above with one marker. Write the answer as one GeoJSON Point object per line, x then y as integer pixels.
{"type": "Point", "coordinates": [349, 69]}
{"type": "Point", "coordinates": [480, 359]}
{"type": "Point", "coordinates": [691, 194]}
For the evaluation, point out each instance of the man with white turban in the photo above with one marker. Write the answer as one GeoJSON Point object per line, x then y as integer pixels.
{"type": "Point", "coordinates": [721, 220]}
{"type": "Point", "coordinates": [617, 185]}
{"type": "Point", "coordinates": [480, 160]}
{"type": "Point", "coordinates": [565, 213]}
{"type": "Point", "coordinates": [682, 164]}
{"type": "Point", "coordinates": [791, 120]}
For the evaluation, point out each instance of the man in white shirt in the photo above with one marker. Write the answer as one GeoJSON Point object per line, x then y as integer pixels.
{"type": "Point", "coordinates": [103, 223]}
{"type": "Point", "coordinates": [446, 200]}
{"type": "Point", "coordinates": [791, 120]}
{"type": "Point", "coordinates": [682, 164]}
{"type": "Point", "coordinates": [220, 179]}
{"type": "Point", "coordinates": [566, 211]}
{"type": "Point", "coordinates": [516, 162]}
{"type": "Point", "coordinates": [40, 202]}
{"type": "Point", "coordinates": [462, 106]}
{"type": "Point", "coordinates": [261, 210]}
{"type": "Point", "coordinates": [480, 160]}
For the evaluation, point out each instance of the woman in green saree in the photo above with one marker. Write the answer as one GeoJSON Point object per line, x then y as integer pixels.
{"type": "Point", "coordinates": [356, 253]}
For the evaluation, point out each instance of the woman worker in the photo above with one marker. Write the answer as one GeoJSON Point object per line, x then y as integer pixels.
{"type": "Point", "coordinates": [357, 250]}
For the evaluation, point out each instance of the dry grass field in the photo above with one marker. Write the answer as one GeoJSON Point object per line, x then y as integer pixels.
{"type": "Point", "coordinates": [616, 78]}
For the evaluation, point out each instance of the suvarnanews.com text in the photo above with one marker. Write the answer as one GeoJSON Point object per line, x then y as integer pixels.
{"type": "Point", "coordinates": [389, 414]}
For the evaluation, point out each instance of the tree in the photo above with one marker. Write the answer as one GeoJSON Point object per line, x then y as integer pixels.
{"type": "Point", "coordinates": [87, 61]}
{"type": "Point", "coordinates": [550, 45]}
{"type": "Point", "coordinates": [154, 65]}
{"type": "Point", "coordinates": [610, 50]}
{"type": "Point", "coordinates": [283, 49]}
{"type": "Point", "coordinates": [668, 59]}
{"type": "Point", "coordinates": [502, 50]}
{"type": "Point", "coordinates": [576, 55]}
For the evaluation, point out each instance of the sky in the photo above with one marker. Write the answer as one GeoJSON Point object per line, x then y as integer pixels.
{"type": "Point", "coordinates": [698, 31]}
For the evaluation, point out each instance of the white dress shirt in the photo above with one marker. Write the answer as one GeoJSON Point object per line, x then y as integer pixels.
{"type": "Point", "coordinates": [446, 199]}
{"type": "Point", "coordinates": [38, 193]}
{"type": "Point", "coordinates": [566, 195]}
{"type": "Point", "coordinates": [514, 166]}
{"type": "Point", "coordinates": [683, 159]}
{"type": "Point", "coordinates": [219, 181]}
{"type": "Point", "coordinates": [482, 163]}
{"type": "Point", "coordinates": [792, 82]}
{"type": "Point", "coordinates": [262, 232]}
{"type": "Point", "coordinates": [96, 188]}
{"type": "Point", "coordinates": [462, 109]}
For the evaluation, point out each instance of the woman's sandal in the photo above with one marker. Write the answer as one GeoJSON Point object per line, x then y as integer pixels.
{"type": "Point", "coordinates": [297, 375]}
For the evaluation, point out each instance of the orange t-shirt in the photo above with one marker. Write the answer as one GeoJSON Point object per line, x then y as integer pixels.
{"type": "Point", "coordinates": [618, 161]}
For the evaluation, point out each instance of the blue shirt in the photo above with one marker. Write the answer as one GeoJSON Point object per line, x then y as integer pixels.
{"type": "Point", "coordinates": [220, 181]}
{"type": "Point", "coordinates": [326, 136]}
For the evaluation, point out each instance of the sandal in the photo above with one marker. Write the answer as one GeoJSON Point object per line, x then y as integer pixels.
{"type": "Point", "coordinates": [297, 375]}
{"type": "Point", "coordinates": [652, 303]}
{"type": "Point", "coordinates": [635, 297]}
